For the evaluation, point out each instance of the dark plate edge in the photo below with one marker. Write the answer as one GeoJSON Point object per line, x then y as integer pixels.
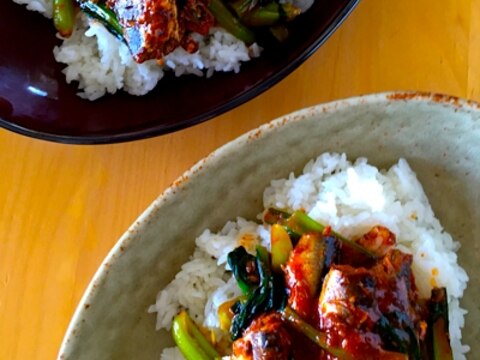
{"type": "Point", "coordinates": [161, 130]}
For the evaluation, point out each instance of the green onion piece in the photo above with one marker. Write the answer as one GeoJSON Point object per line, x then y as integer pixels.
{"type": "Point", "coordinates": [241, 7]}
{"type": "Point", "coordinates": [64, 16]}
{"type": "Point", "coordinates": [229, 22]}
{"type": "Point", "coordinates": [319, 338]}
{"type": "Point", "coordinates": [301, 223]}
{"type": "Point", "coordinates": [281, 246]}
{"type": "Point", "coordinates": [190, 340]}
{"type": "Point", "coordinates": [104, 15]}
{"type": "Point", "coordinates": [270, 14]}
{"type": "Point", "coordinates": [261, 17]}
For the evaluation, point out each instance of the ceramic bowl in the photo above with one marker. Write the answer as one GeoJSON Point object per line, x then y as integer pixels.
{"type": "Point", "coordinates": [36, 101]}
{"type": "Point", "coordinates": [438, 135]}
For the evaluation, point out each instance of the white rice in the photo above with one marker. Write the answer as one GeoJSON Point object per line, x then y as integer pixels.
{"type": "Point", "coordinates": [101, 64]}
{"type": "Point", "coordinates": [351, 198]}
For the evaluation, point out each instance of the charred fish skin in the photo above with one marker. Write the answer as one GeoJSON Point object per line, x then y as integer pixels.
{"type": "Point", "coordinates": [303, 271]}
{"type": "Point", "coordinates": [347, 297]}
{"type": "Point", "coordinates": [151, 27]}
{"type": "Point", "coordinates": [379, 303]}
{"type": "Point", "coordinates": [265, 339]}
{"type": "Point", "coordinates": [307, 265]}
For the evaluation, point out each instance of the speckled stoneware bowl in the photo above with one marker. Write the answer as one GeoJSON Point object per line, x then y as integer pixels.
{"type": "Point", "coordinates": [438, 135]}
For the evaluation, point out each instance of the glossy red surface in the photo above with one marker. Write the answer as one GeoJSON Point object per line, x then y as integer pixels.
{"type": "Point", "coordinates": [36, 101]}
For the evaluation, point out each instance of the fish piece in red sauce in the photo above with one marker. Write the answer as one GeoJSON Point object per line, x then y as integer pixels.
{"type": "Point", "coordinates": [307, 263]}
{"type": "Point", "coordinates": [154, 28]}
{"type": "Point", "coordinates": [354, 301]}
{"type": "Point", "coordinates": [266, 338]}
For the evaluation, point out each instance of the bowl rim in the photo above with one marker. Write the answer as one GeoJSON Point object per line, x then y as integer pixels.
{"type": "Point", "coordinates": [122, 244]}
{"type": "Point", "coordinates": [157, 130]}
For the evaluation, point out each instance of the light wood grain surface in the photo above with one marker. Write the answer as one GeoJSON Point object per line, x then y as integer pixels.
{"type": "Point", "coordinates": [63, 207]}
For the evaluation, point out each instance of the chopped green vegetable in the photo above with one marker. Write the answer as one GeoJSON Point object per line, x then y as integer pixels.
{"type": "Point", "coordinates": [242, 7]}
{"type": "Point", "coordinates": [190, 340]}
{"type": "Point", "coordinates": [274, 216]}
{"type": "Point", "coordinates": [439, 324]}
{"type": "Point", "coordinates": [229, 22]}
{"type": "Point", "coordinates": [269, 295]}
{"type": "Point", "coordinates": [263, 256]}
{"type": "Point", "coordinates": [64, 16]}
{"type": "Point", "coordinates": [319, 338]}
{"type": "Point", "coordinates": [281, 246]}
{"type": "Point", "coordinates": [270, 14]}
{"type": "Point", "coordinates": [300, 223]}
{"type": "Point", "coordinates": [104, 15]}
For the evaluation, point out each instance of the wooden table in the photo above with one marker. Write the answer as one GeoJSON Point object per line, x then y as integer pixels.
{"type": "Point", "coordinates": [63, 207]}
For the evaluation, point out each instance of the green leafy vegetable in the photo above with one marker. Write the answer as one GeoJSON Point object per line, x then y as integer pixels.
{"type": "Point", "coordinates": [270, 294]}
{"type": "Point", "coordinates": [244, 269]}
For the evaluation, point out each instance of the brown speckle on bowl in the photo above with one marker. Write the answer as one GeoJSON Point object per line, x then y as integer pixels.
{"type": "Point", "coordinates": [454, 101]}
{"type": "Point", "coordinates": [255, 135]}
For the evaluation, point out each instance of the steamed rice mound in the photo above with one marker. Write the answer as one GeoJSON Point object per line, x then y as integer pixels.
{"type": "Point", "coordinates": [350, 197]}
